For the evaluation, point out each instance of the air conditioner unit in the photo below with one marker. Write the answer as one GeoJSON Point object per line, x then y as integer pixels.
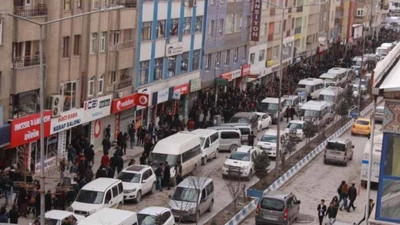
{"type": "Point", "coordinates": [56, 103]}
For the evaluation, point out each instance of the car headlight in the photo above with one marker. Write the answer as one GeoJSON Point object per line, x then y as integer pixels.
{"type": "Point", "coordinates": [131, 190]}
{"type": "Point", "coordinates": [226, 166]}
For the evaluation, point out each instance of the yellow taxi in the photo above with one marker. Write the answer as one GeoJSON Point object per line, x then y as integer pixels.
{"type": "Point", "coordinates": [362, 126]}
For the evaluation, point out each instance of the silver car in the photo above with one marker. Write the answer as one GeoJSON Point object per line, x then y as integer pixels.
{"type": "Point", "coordinates": [379, 114]}
{"type": "Point", "coordinates": [277, 207]}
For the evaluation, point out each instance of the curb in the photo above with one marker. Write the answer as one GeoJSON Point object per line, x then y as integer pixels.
{"type": "Point", "coordinates": [248, 209]}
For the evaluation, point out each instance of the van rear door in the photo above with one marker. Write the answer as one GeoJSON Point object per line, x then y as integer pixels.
{"type": "Point", "coordinates": [336, 151]}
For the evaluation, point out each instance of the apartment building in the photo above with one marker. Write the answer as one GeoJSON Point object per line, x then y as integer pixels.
{"type": "Point", "coordinates": [344, 20]}
{"type": "Point", "coordinates": [88, 61]}
{"type": "Point", "coordinates": [226, 43]}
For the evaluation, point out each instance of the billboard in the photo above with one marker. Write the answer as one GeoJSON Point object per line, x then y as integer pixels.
{"type": "Point", "coordinates": [256, 20]}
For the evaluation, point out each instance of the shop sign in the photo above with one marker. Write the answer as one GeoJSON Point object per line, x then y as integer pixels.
{"type": "Point", "coordinates": [162, 95]}
{"type": "Point", "coordinates": [148, 92]}
{"type": "Point", "coordinates": [182, 89]}
{"type": "Point", "coordinates": [27, 129]}
{"type": "Point", "coordinates": [136, 99]}
{"type": "Point", "coordinates": [236, 74]}
{"type": "Point", "coordinates": [195, 84]}
{"type": "Point", "coordinates": [246, 70]}
{"type": "Point", "coordinates": [67, 120]}
{"type": "Point", "coordinates": [97, 108]}
{"type": "Point", "coordinates": [97, 129]}
{"type": "Point", "coordinates": [256, 20]}
{"type": "Point", "coordinates": [173, 49]}
{"type": "Point", "coordinates": [4, 135]}
{"type": "Point", "coordinates": [226, 76]}
{"type": "Point", "coordinates": [221, 81]}
{"type": "Point", "coordinates": [176, 95]}
{"type": "Point", "coordinates": [357, 31]}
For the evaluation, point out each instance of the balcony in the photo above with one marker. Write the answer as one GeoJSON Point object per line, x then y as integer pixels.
{"type": "Point", "coordinates": [31, 11]}
{"type": "Point", "coordinates": [299, 9]}
{"type": "Point", "coordinates": [122, 45]}
{"type": "Point", "coordinates": [121, 86]}
{"type": "Point", "coordinates": [126, 3]}
{"type": "Point", "coordinates": [26, 61]}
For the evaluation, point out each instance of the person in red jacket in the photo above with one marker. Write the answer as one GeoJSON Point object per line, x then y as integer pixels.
{"type": "Point", "coordinates": [105, 160]}
{"type": "Point", "coordinates": [190, 125]}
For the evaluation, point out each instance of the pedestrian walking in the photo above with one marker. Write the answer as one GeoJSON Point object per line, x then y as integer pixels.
{"type": "Point", "coordinates": [321, 211]}
{"type": "Point", "coordinates": [71, 154]}
{"type": "Point", "coordinates": [119, 163]}
{"type": "Point", "coordinates": [105, 160]}
{"type": "Point", "coordinates": [335, 202]}
{"type": "Point", "coordinates": [124, 142]}
{"type": "Point", "coordinates": [292, 112]}
{"type": "Point", "coordinates": [167, 175]}
{"type": "Point", "coordinates": [107, 132]}
{"type": "Point", "coordinates": [120, 139]}
{"type": "Point", "coordinates": [339, 190]}
{"type": "Point", "coordinates": [371, 207]}
{"type": "Point", "coordinates": [352, 197]}
{"type": "Point", "coordinates": [159, 174]}
{"type": "Point", "coordinates": [345, 191]}
{"type": "Point", "coordinates": [13, 215]}
{"type": "Point", "coordinates": [330, 213]}
{"type": "Point", "coordinates": [22, 201]}
{"type": "Point", "coordinates": [287, 114]}
{"type": "Point", "coordinates": [251, 138]}
{"type": "Point", "coordinates": [106, 146]}
{"type": "Point", "coordinates": [131, 132]}
{"type": "Point", "coordinates": [3, 215]}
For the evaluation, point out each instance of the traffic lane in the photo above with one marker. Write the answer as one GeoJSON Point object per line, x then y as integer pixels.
{"type": "Point", "coordinates": [319, 181]}
{"type": "Point", "coordinates": [213, 170]}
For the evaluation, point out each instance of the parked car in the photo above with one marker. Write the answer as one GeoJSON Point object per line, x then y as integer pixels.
{"type": "Point", "coordinates": [362, 126]}
{"type": "Point", "coordinates": [111, 217]}
{"type": "Point", "coordinates": [240, 163]}
{"type": "Point", "coordinates": [295, 127]}
{"type": "Point", "coordinates": [56, 217]}
{"type": "Point", "coordinates": [230, 138]}
{"type": "Point", "coordinates": [338, 150]}
{"type": "Point", "coordinates": [137, 180]}
{"type": "Point", "coordinates": [379, 114]}
{"type": "Point", "coordinates": [267, 143]}
{"type": "Point", "coordinates": [192, 197]}
{"type": "Point", "coordinates": [264, 121]}
{"type": "Point", "coordinates": [209, 143]}
{"type": "Point", "coordinates": [246, 117]}
{"type": "Point", "coordinates": [277, 207]}
{"type": "Point", "coordinates": [156, 215]}
{"type": "Point", "coordinates": [245, 130]}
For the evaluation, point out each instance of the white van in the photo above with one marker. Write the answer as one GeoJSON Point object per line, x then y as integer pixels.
{"type": "Point", "coordinates": [192, 197]}
{"type": "Point", "coordinates": [332, 95]}
{"type": "Point", "coordinates": [209, 142]}
{"type": "Point", "coordinates": [338, 150]}
{"type": "Point", "coordinates": [230, 138]}
{"type": "Point", "coordinates": [376, 160]}
{"type": "Point", "coordinates": [317, 112]}
{"type": "Point", "coordinates": [182, 151]}
{"type": "Point", "coordinates": [111, 217]}
{"type": "Point", "coordinates": [270, 106]}
{"type": "Point", "coordinates": [98, 194]}
{"type": "Point", "coordinates": [382, 51]}
{"type": "Point", "coordinates": [56, 217]}
{"type": "Point", "coordinates": [312, 86]}
{"type": "Point", "coordinates": [340, 75]}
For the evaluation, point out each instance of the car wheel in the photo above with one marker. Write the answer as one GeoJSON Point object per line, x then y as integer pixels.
{"type": "Point", "coordinates": [138, 197]}
{"type": "Point", "coordinates": [119, 205]}
{"type": "Point", "coordinates": [211, 206]}
{"type": "Point", "coordinates": [153, 188]}
{"type": "Point", "coordinates": [345, 163]}
{"type": "Point", "coordinates": [233, 148]}
{"type": "Point", "coordinates": [204, 160]}
{"type": "Point", "coordinates": [224, 176]}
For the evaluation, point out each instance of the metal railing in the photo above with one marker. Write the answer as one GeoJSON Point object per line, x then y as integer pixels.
{"type": "Point", "coordinates": [123, 83]}
{"type": "Point", "coordinates": [25, 61]}
{"type": "Point", "coordinates": [29, 11]}
{"type": "Point", "coordinates": [122, 45]}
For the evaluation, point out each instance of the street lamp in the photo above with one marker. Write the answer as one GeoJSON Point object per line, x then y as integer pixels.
{"type": "Point", "coordinates": [278, 123]}
{"type": "Point", "coordinates": [42, 25]}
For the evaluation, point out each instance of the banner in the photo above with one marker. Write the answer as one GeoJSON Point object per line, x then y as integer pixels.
{"type": "Point", "coordinates": [128, 102]}
{"type": "Point", "coordinates": [256, 20]}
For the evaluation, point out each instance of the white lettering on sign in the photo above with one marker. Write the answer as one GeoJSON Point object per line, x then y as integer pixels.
{"type": "Point", "coordinates": [30, 123]}
{"type": "Point", "coordinates": [31, 135]}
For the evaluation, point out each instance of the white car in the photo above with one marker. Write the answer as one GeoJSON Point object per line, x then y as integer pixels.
{"type": "Point", "coordinates": [295, 127]}
{"type": "Point", "coordinates": [240, 163]}
{"type": "Point", "coordinates": [264, 121]}
{"type": "Point", "coordinates": [137, 180]}
{"type": "Point", "coordinates": [56, 217]}
{"type": "Point", "coordinates": [156, 215]}
{"type": "Point", "coordinates": [267, 143]}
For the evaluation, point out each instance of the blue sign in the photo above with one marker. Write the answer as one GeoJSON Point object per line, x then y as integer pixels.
{"type": "Point", "coordinates": [4, 135]}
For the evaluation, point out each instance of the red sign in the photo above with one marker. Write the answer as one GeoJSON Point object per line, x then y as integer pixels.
{"type": "Point", "coordinates": [183, 89]}
{"type": "Point", "coordinates": [26, 129]}
{"type": "Point", "coordinates": [256, 20]}
{"type": "Point", "coordinates": [245, 70]}
{"type": "Point", "coordinates": [226, 76]}
{"type": "Point", "coordinates": [121, 104]}
{"type": "Point", "coordinates": [97, 129]}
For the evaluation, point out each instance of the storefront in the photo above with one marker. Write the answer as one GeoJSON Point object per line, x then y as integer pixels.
{"type": "Point", "coordinates": [6, 155]}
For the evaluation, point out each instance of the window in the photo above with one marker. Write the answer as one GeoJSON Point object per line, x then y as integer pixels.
{"type": "Point", "coordinates": [171, 66]}
{"type": "Point", "coordinates": [208, 62]}
{"type": "Point", "coordinates": [1, 30]}
{"type": "Point", "coordinates": [78, 4]}
{"type": "Point", "coordinates": [199, 24]}
{"type": "Point", "coordinates": [235, 55]}
{"type": "Point", "coordinates": [161, 28]}
{"type": "Point", "coordinates": [227, 57]}
{"type": "Point", "coordinates": [91, 86]}
{"type": "Point", "coordinates": [211, 29]}
{"type": "Point", "coordinates": [115, 191]}
{"type": "Point", "coordinates": [261, 57]}
{"type": "Point", "coordinates": [196, 60]}
{"type": "Point", "coordinates": [77, 44]}
{"type": "Point", "coordinates": [360, 12]}
{"type": "Point", "coordinates": [221, 26]}
{"type": "Point", "coordinates": [115, 37]}
{"type": "Point", "coordinates": [65, 53]}
{"type": "Point", "coordinates": [95, 4]}
{"type": "Point", "coordinates": [186, 156]}
{"type": "Point", "coordinates": [229, 135]}
{"type": "Point", "coordinates": [238, 22]}
{"type": "Point", "coordinates": [187, 25]}
{"type": "Point", "coordinates": [146, 31]}
{"type": "Point", "coordinates": [275, 52]}
{"type": "Point", "coordinates": [103, 41]}
{"type": "Point", "coordinates": [68, 91]}
{"type": "Point", "coordinates": [174, 27]}
{"type": "Point", "coordinates": [144, 72]}
{"type": "Point", "coordinates": [214, 137]}
{"type": "Point", "coordinates": [185, 62]}
{"type": "Point", "coordinates": [108, 197]}
{"type": "Point", "coordinates": [230, 20]}
{"type": "Point", "coordinates": [252, 58]}
{"type": "Point", "coordinates": [93, 43]}
{"type": "Point", "coordinates": [277, 27]}
{"type": "Point", "coordinates": [67, 5]}
{"type": "Point", "coordinates": [210, 188]}
{"type": "Point", "coordinates": [158, 70]}
{"type": "Point", "coordinates": [101, 84]}
{"type": "Point", "coordinates": [120, 188]}
{"type": "Point", "coordinates": [217, 60]}
{"type": "Point", "coordinates": [113, 76]}
{"type": "Point", "coordinates": [244, 52]}
{"type": "Point", "coordinates": [165, 216]}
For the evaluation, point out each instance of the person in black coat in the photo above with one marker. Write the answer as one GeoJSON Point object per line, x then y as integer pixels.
{"type": "Point", "coordinates": [102, 172]}
{"type": "Point", "coordinates": [13, 215]}
{"type": "Point", "coordinates": [119, 161]}
{"type": "Point", "coordinates": [352, 196]}
{"type": "Point", "coordinates": [48, 201]}
{"type": "Point", "coordinates": [106, 146]}
{"type": "Point", "coordinates": [321, 211]}
{"type": "Point", "coordinates": [167, 175]}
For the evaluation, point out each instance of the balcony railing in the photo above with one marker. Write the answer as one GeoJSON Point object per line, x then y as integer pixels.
{"type": "Point", "coordinates": [126, 3]}
{"type": "Point", "coordinates": [29, 11]}
{"type": "Point", "coordinates": [122, 45]}
{"type": "Point", "coordinates": [21, 62]}
{"type": "Point", "coordinates": [123, 84]}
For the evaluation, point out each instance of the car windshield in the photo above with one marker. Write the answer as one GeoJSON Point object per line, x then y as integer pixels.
{"type": "Point", "coordinates": [328, 98]}
{"type": "Point", "coordinates": [362, 122]}
{"type": "Point", "coordinates": [269, 138]}
{"type": "Point", "coordinates": [272, 204]}
{"type": "Point", "coordinates": [158, 158]}
{"type": "Point", "coordinates": [236, 119]}
{"type": "Point", "coordinates": [51, 222]}
{"type": "Point", "coordinates": [129, 177]}
{"type": "Point", "coordinates": [296, 126]}
{"type": "Point", "coordinates": [242, 156]}
{"type": "Point", "coordinates": [301, 86]}
{"type": "Point", "coordinates": [92, 197]}
{"type": "Point", "coordinates": [311, 113]}
{"type": "Point", "coordinates": [202, 139]}
{"type": "Point", "coordinates": [335, 146]}
{"type": "Point", "coordinates": [185, 194]}
{"type": "Point", "coordinates": [145, 219]}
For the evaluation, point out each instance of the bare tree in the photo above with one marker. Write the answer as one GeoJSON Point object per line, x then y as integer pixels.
{"type": "Point", "coordinates": [236, 189]}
